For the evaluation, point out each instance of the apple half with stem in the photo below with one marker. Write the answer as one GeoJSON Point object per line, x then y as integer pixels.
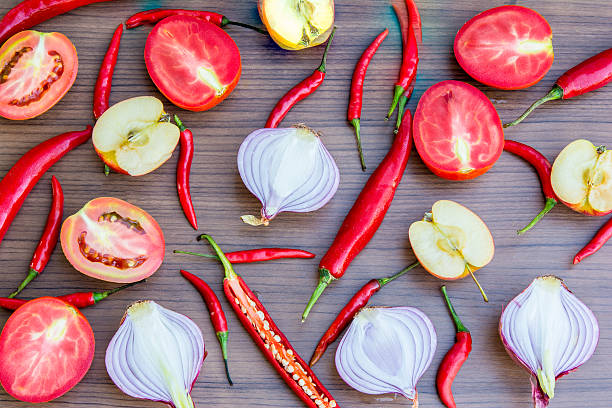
{"type": "Point", "coordinates": [452, 242]}
{"type": "Point", "coordinates": [582, 177]}
{"type": "Point", "coordinates": [134, 136]}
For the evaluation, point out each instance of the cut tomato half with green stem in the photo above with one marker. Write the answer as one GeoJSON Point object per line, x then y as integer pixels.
{"type": "Point", "coordinates": [46, 348]}
{"type": "Point", "coordinates": [457, 131]}
{"type": "Point", "coordinates": [36, 71]}
{"type": "Point", "coordinates": [194, 63]}
{"type": "Point", "coordinates": [506, 47]}
{"type": "Point", "coordinates": [113, 240]}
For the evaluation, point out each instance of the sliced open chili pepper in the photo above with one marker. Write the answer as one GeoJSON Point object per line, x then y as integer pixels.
{"type": "Point", "coordinates": [595, 244]}
{"type": "Point", "coordinates": [217, 316]}
{"type": "Point", "coordinates": [270, 340]}
{"type": "Point", "coordinates": [356, 98]}
{"type": "Point", "coordinates": [543, 167]}
{"type": "Point", "coordinates": [587, 76]}
{"type": "Point", "coordinates": [344, 318]}
{"type": "Point", "coordinates": [300, 91]}
{"type": "Point", "coordinates": [454, 358]}
{"type": "Point", "coordinates": [367, 212]}
{"type": "Point", "coordinates": [255, 255]}
{"type": "Point", "coordinates": [104, 83]}
{"type": "Point", "coordinates": [49, 237]}
{"type": "Point", "coordinates": [182, 173]}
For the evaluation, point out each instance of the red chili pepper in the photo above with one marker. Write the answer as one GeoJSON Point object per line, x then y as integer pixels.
{"type": "Point", "coordinates": [102, 89]}
{"type": "Point", "coordinates": [23, 176]}
{"type": "Point", "coordinates": [155, 15]}
{"type": "Point", "coordinates": [454, 359]}
{"type": "Point", "coordinates": [415, 20]}
{"type": "Point", "coordinates": [300, 91]}
{"type": "Point", "coordinates": [356, 98]}
{"type": "Point", "coordinates": [587, 76]}
{"type": "Point", "coordinates": [367, 213]}
{"type": "Point", "coordinates": [255, 255]}
{"type": "Point", "coordinates": [29, 13]}
{"type": "Point", "coordinates": [595, 244]}
{"type": "Point", "coordinates": [49, 237]}
{"type": "Point", "coordinates": [543, 167]}
{"type": "Point", "coordinates": [348, 312]}
{"type": "Point", "coordinates": [217, 316]}
{"type": "Point", "coordinates": [182, 173]}
{"type": "Point", "coordinates": [271, 341]}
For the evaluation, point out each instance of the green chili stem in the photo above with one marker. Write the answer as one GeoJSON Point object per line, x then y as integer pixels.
{"type": "Point", "coordinates": [176, 251]}
{"type": "Point", "coordinates": [32, 273]}
{"type": "Point", "coordinates": [550, 203]}
{"type": "Point", "coordinates": [227, 265]}
{"type": "Point", "coordinates": [382, 282]}
{"type": "Point", "coordinates": [323, 65]}
{"type": "Point", "coordinates": [555, 93]}
{"type": "Point", "coordinates": [98, 296]}
{"type": "Point", "coordinates": [458, 324]}
{"type": "Point", "coordinates": [357, 125]}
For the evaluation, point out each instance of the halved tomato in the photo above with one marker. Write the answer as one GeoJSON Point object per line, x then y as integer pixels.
{"type": "Point", "coordinates": [113, 240]}
{"type": "Point", "coordinates": [36, 71]}
{"type": "Point", "coordinates": [194, 63]}
{"type": "Point", "coordinates": [507, 47]}
{"type": "Point", "coordinates": [457, 131]}
{"type": "Point", "coordinates": [46, 348]}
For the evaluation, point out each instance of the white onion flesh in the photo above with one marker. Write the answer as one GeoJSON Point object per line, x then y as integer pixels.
{"type": "Point", "coordinates": [386, 350]}
{"type": "Point", "coordinates": [156, 354]}
{"type": "Point", "coordinates": [287, 169]}
{"type": "Point", "coordinates": [550, 332]}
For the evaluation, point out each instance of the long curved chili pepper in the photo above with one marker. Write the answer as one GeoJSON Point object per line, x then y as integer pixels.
{"type": "Point", "coordinates": [356, 98]}
{"type": "Point", "coordinates": [23, 176]}
{"type": "Point", "coordinates": [270, 340]}
{"type": "Point", "coordinates": [29, 13]}
{"type": "Point", "coordinates": [256, 255]}
{"type": "Point", "coordinates": [367, 212]}
{"type": "Point", "coordinates": [543, 167]}
{"type": "Point", "coordinates": [155, 15]}
{"type": "Point", "coordinates": [344, 318]}
{"type": "Point", "coordinates": [415, 20]}
{"type": "Point", "coordinates": [217, 316]}
{"type": "Point", "coordinates": [49, 237]}
{"type": "Point", "coordinates": [595, 244]}
{"type": "Point", "coordinates": [300, 91]}
{"type": "Point", "coordinates": [587, 76]}
{"type": "Point", "coordinates": [454, 358]}
{"type": "Point", "coordinates": [102, 89]}
{"type": "Point", "coordinates": [182, 173]}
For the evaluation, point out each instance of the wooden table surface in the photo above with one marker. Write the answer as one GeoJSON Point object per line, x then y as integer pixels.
{"type": "Point", "coordinates": [506, 198]}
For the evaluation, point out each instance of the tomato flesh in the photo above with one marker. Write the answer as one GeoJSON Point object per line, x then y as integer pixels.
{"type": "Point", "coordinates": [113, 240]}
{"type": "Point", "coordinates": [507, 47]}
{"type": "Point", "coordinates": [36, 71]}
{"type": "Point", "coordinates": [46, 348]}
{"type": "Point", "coordinates": [457, 131]}
{"type": "Point", "coordinates": [194, 63]}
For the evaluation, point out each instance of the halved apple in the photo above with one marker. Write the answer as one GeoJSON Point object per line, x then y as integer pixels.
{"type": "Point", "coordinates": [132, 138]}
{"type": "Point", "coordinates": [297, 24]}
{"type": "Point", "coordinates": [582, 178]}
{"type": "Point", "coordinates": [451, 241]}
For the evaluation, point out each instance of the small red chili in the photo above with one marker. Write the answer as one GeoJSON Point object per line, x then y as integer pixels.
{"type": "Point", "coordinates": [300, 91]}
{"type": "Point", "coordinates": [356, 98]}
{"type": "Point", "coordinates": [182, 173]}
{"type": "Point", "coordinates": [415, 20]}
{"type": "Point", "coordinates": [454, 358]}
{"type": "Point", "coordinates": [348, 312]}
{"type": "Point", "coordinates": [102, 89]}
{"type": "Point", "coordinates": [543, 167]}
{"type": "Point", "coordinates": [217, 316]}
{"type": "Point", "coordinates": [256, 255]}
{"type": "Point", "coordinates": [595, 244]}
{"type": "Point", "coordinates": [587, 76]}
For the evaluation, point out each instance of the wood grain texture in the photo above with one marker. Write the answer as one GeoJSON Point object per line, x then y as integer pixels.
{"type": "Point", "coordinates": [506, 197]}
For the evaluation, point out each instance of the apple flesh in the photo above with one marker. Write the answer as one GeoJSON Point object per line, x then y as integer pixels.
{"type": "Point", "coordinates": [297, 24]}
{"type": "Point", "coordinates": [131, 138]}
{"type": "Point", "coordinates": [582, 178]}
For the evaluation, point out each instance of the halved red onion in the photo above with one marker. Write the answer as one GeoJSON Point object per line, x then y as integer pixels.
{"type": "Point", "coordinates": [386, 349]}
{"type": "Point", "coordinates": [156, 354]}
{"type": "Point", "coordinates": [547, 330]}
{"type": "Point", "coordinates": [287, 169]}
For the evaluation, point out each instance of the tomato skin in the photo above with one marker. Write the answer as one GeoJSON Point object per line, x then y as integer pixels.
{"type": "Point", "coordinates": [489, 64]}
{"type": "Point", "coordinates": [131, 235]}
{"type": "Point", "coordinates": [31, 364]}
{"type": "Point", "coordinates": [43, 48]}
{"type": "Point", "coordinates": [188, 85]}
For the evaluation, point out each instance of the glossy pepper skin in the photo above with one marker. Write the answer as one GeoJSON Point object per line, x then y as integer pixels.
{"type": "Point", "coordinates": [300, 91]}
{"type": "Point", "coordinates": [356, 96]}
{"type": "Point", "coordinates": [543, 168]}
{"type": "Point", "coordinates": [255, 255]}
{"type": "Point", "coordinates": [270, 340]}
{"type": "Point", "coordinates": [23, 176]}
{"type": "Point", "coordinates": [104, 82]}
{"type": "Point", "coordinates": [367, 213]}
{"type": "Point", "coordinates": [415, 20]}
{"type": "Point", "coordinates": [182, 173]}
{"type": "Point", "coordinates": [595, 244]}
{"type": "Point", "coordinates": [29, 13]}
